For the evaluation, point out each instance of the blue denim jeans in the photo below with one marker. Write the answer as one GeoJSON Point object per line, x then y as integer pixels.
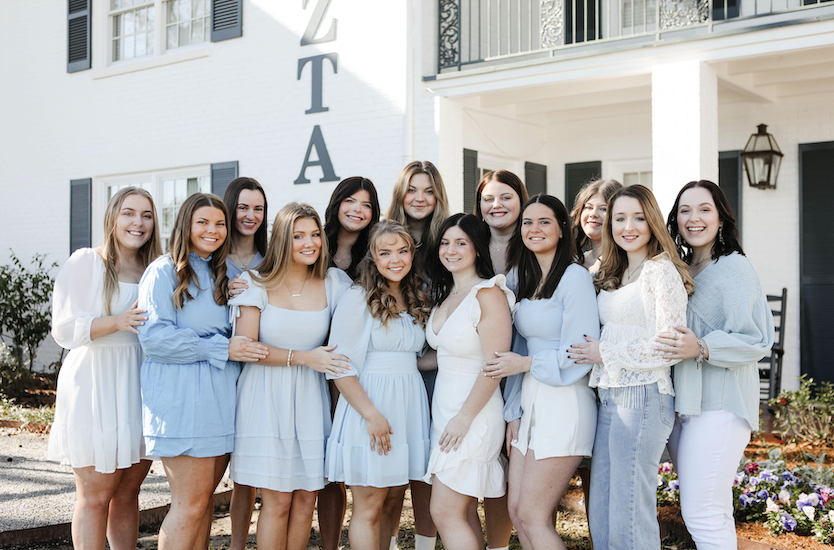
{"type": "Point", "coordinates": [633, 427]}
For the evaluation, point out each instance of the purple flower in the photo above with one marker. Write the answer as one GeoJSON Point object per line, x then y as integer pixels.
{"type": "Point", "coordinates": [788, 522]}
{"type": "Point", "coordinates": [666, 468]}
{"type": "Point", "coordinates": [763, 494]}
{"type": "Point", "coordinates": [753, 481]}
{"type": "Point", "coordinates": [674, 485]}
{"type": "Point", "coordinates": [745, 500]}
{"type": "Point", "coordinates": [812, 499]}
{"type": "Point", "coordinates": [752, 468]}
{"type": "Point", "coordinates": [739, 479]}
{"type": "Point", "coordinates": [766, 476]}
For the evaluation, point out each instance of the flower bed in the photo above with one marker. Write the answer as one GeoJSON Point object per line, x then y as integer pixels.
{"type": "Point", "coordinates": [785, 499]}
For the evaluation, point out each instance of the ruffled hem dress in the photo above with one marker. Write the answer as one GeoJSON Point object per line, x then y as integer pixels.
{"type": "Point", "coordinates": [384, 358]}
{"type": "Point", "coordinates": [98, 408]}
{"type": "Point", "coordinates": [477, 468]}
{"type": "Point", "coordinates": [283, 413]}
{"type": "Point", "coordinates": [188, 382]}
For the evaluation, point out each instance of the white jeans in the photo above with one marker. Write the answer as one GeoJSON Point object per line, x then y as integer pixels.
{"type": "Point", "coordinates": [706, 450]}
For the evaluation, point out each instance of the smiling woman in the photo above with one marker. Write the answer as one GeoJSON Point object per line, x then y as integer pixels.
{"type": "Point", "coordinates": [351, 215]}
{"type": "Point", "coordinates": [282, 417]}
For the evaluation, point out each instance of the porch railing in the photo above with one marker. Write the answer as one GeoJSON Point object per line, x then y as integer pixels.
{"type": "Point", "coordinates": [473, 31]}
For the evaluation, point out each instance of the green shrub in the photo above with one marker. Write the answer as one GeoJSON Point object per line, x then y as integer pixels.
{"type": "Point", "coordinates": [806, 414]}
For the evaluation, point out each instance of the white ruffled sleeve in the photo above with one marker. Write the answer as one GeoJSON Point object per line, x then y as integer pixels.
{"type": "Point", "coordinates": [336, 282]}
{"type": "Point", "coordinates": [499, 281]}
{"type": "Point", "coordinates": [254, 295]}
{"type": "Point", "coordinates": [664, 295]}
{"type": "Point", "coordinates": [77, 298]}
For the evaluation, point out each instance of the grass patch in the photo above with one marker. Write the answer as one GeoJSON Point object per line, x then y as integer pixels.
{"type": "Point", "coordinates": [10, 411]}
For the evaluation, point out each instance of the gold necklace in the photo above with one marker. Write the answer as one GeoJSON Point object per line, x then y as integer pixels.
{"type": "Point", "coordinates": [630, 275]}
{"type": "Point", "coordinates": [302, 287]}
{"type": "Point", "coordinates": [463, 286]}
{"type": "Point", "coordinates": [240, 263]}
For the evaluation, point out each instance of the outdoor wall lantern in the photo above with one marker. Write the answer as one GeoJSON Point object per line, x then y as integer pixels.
{"type": "Point", "coordinates": [762, 158]}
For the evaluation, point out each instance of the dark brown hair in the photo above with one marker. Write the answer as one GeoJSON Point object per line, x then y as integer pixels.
{"type": "Point", "coordinates": [332, 226]}
{"type": "Point", "coordinates": [230, 198]}
{"type": "Point", "coordinates": [442, 280]}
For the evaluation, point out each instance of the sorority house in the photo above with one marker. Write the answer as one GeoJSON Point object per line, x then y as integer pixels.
{"type": "Point", "coordinates": [179, 96]}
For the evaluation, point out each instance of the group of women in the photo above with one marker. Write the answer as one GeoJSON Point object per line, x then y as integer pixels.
{"type": "Point", "coordinates": [301, 359]}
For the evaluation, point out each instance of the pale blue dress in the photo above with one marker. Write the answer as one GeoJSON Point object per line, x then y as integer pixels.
{"type": "Point", "coordinates": [187, 380]}
{"type": "Point", "coordinates": [233, 271]}
{"type": "Point", "coordinates": [283, 413]}
{"type": "Point", "coordinates": [385, 360]}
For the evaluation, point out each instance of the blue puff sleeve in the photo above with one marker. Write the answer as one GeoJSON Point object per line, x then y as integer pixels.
{"type": "Point", "coordinates": [162, 339]}
{"type": "Point", "coordinates": [350, 329]}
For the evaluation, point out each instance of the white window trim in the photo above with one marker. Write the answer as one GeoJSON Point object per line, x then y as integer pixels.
{"type": "Point", "coordinates": [103, 67]}
{"type": "Point", "coordinates": [614, 169]}
{"type": "Point", "coordinates": [499, 162]}
{"type": "Point", "coordinates": [155, 178]}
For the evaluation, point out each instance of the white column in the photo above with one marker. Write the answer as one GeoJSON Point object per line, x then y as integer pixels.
{"type": "Point", "coordinates": [684, 127]}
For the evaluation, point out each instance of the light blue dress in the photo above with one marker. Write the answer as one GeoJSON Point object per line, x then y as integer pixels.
{"type": "Point", "coordinates": [556, 387]}
{"type": "Point", "coordinates": [233, 271]}
{"type": "Point", "coordinates": [385, 360]}
{"type": "Point", "coordinates": [187, 380]}
{"type": "Point", "coordinates": [283, 413]}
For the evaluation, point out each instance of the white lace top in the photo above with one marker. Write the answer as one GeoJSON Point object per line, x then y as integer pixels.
{"type": "Point", "coordinates": [630, 318]}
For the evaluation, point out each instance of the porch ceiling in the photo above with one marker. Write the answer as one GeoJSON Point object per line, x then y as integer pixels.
{"type": "Point", "coordinates": [764, 78]}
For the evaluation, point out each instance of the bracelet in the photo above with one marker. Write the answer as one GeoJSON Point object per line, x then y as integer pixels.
{"type": "Point", "coordinates": [700, 358]}
{"type": "Point", "coordinates": [289, 357]}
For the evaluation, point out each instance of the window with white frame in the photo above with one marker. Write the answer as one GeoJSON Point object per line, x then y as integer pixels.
{"type": "Point", "coordinates": [169, 190]}
{"type": "Point", "coordinates": [638, 178]}
{"type": "Point", "coordinates": [136, 25]}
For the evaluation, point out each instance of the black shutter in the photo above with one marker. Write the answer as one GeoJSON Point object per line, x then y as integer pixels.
{"type": "Point", "coordinates": [816, 259]}
{"type": "Point", "coordinates": [578, 174]}
{"type": "Point", "coordinates": [226, 19]}
{"type": "Point", "coordinates": [730, 181]}
{"type": "Point", "coordinates": [470, 179]}
{"type": "Point", "coordinates": [222, 174]}
{"type": "Point", "coordinates": [535, 178]}
{"type": "Point", "coordinates": [78, 35]}
{"type": "Point", "coordinates": [81, 214]}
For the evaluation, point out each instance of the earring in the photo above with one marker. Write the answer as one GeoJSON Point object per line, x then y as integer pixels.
{"type": "Point", "coordinates": [721, 234]}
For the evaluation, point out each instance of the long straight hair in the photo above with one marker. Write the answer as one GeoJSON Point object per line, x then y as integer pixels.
{"type": "Point", "coordinates": [346, 188]}
{"type": "Point", "coordinates": [615, 259]}
{"type": "Point", "coordinates": [475, 230]}
{"type": "Point", "coordinates": [396, 211]}
{"type": "Point", "coordinates": [728, 229]}
{"type": "Point", "coordinates": [231, 196]}
{"type": "Point", "coordinates": [278, 259]}
{"type": "Point", "coordinates": [181, 248]}
{"type": "Point", "coordinates": [381, 303]}
{"type": "Point", "coordinates": [151, 250]}
{"type": "Point", "coordinates": [529, 271]}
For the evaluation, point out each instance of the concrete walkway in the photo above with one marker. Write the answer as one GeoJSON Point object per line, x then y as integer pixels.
{"type": "Point", "coordinates": [37, 497]}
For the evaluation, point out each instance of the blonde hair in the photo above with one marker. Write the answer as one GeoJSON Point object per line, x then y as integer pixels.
{"type": "Point", "coordinates": [181, 249]}
{"type": "Point", "coordinates": [276, 264]}
{"type": "Point", "coordinates": [396, 212]}
{"type": "Point", "coordinates": [149, 251]}
{"type": "Point", "coordinates": [381, 302]}
{"type": "Point", "coordinates": [614, 259]}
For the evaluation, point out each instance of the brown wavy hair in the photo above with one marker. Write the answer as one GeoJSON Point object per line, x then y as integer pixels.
{"type": "Point", "coordinates": [151, 250]}
{"type": "Point", "coordinates": [381, 302]}
{"type": "Point", "coordinates": [181, 248]}
{"type": "Point", "coordinates": [396, 212]}
{"type": "Point", "coordinates": [273, 270]}
{"type": "Point", "coordinates": [605, 188]}
{"type": "Point", "coordinates": [615, 259]}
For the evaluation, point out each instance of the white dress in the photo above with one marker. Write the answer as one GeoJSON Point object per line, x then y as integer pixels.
{"type": "Point", "coordinates": [98, 409]}
{"type": "Point", "coordinates": [282, 415]}
{"type": "Point", "coordinates": [477, 468]}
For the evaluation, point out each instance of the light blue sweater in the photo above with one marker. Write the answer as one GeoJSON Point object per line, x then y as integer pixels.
{"type": "Point", "coordinates": [729, 311]}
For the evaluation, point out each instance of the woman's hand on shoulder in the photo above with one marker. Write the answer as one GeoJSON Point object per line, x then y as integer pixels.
{"type": "Point", "coordinates": [585, 353]}
{"type": "Point", "coordinates": [246, 350]}
{"type": "Point", "coordinates": [507, 363]}
{"type": "Point", "coordinates": [455, 431]}
{"type": "Point", "coordinates": [323, 360]}
{"type": "Point", "coordinates": [379, 431]}
{"type": "Point", "coordinates": [237, 286]}
{"type": "Point", "coordinates": [131, 318]}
